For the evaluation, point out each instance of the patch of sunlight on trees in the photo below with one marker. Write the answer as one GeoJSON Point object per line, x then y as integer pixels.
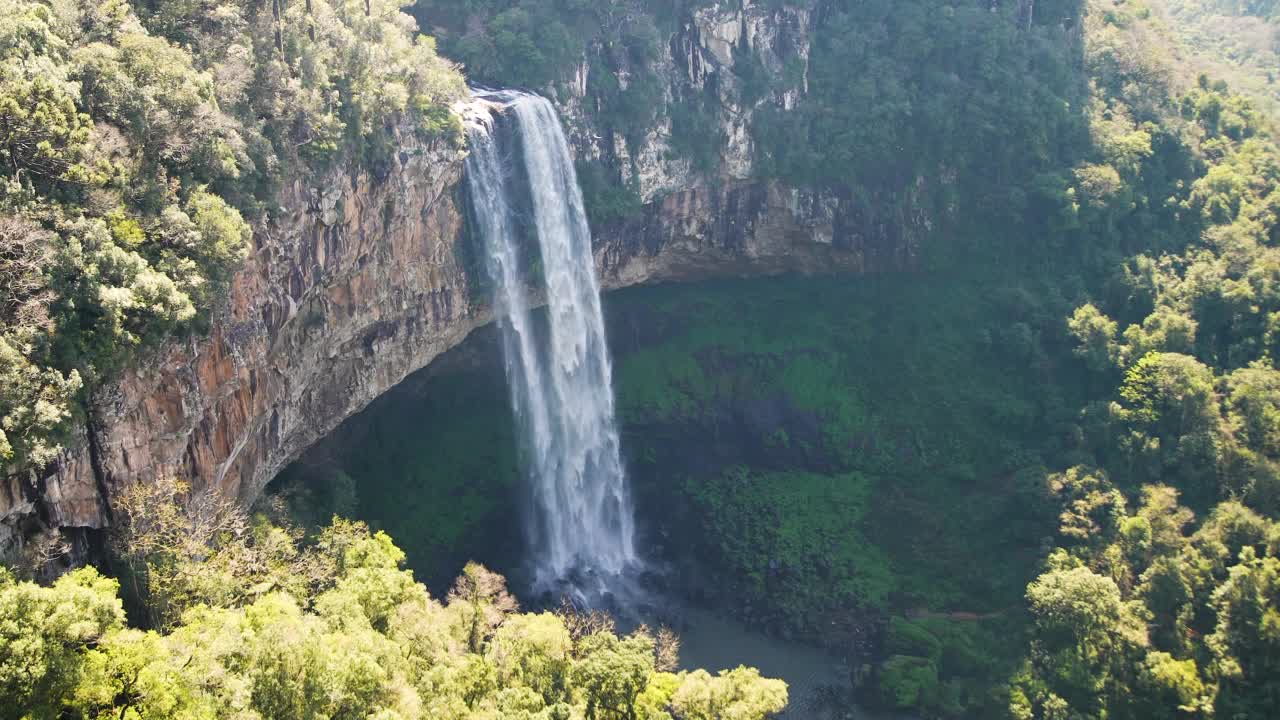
{"type": "Point", "coordinates": [236, 617]}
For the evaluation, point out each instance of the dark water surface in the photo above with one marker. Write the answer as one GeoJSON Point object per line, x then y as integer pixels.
{"type": "Point", "coordinates": [817, 681]}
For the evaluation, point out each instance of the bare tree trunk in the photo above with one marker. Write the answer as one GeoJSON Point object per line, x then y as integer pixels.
{"type": "Point", "coordinates": [277, 13]}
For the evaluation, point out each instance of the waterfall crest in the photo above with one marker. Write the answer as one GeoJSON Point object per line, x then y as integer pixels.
{"type": "Point", "coordinates": [560, 380]}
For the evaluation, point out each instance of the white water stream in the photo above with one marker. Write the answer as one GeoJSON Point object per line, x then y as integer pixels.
{"type": "Point", "coordinates": [559, 375]}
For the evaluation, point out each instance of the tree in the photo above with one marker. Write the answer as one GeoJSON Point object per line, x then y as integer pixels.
{"type": "Point", "coordinates": [163, 543]}
{"type": "Point", "coordinates": [612, 673]}
{"type": "Point", "coordinates": [45, 634]}
{"type": "Point", "coordinates": [356, 637]}
{"type": "Point", "coordinates": [1080, 628]}
{"type": "Point", "coordinates": [1169, 407]}
{"type": "Point", "coordinates": [533, 651]}
{"type": "Point", "coordinates": [1246, 643]}
{"type": "Point", "coordinates": [1253, 404]}
{"type": "Point", "coordinates": [139, 141]}
{"type": "Point", "coordinates": [1095, 334]}
{"type": "Point", "coordinates": [666, 650]}
{"type": "Point", "coordinates": [179, 549]}
{"type": "Point", "coordinates": [1164, 330]}
{"type": "Point", "coordinates": [1168, 589]}
{"type": "Point", "coordinates": [43, 134]}
{"type": "Point", "coordinates": [481, 599]}
{"type": "Point", "coordinates": [1167, 519]}
{"type": "Point", "coordinates": [738, 694]}
{"type": "Point", "coordinates": [1093, 509]}
{"type": "Point", "coordinates": [1173, 684]}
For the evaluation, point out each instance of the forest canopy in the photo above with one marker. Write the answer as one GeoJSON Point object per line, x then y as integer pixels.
{"type": "Point", "coordinates": [246, 619]}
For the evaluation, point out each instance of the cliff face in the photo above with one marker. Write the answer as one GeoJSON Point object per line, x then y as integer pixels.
{"type": "Point", "coordinates": [361, 280]}
{"type": "Point", "coordinates": [357, 283]}
{"type": "Point", "coordinates": [707, 62]}
{"type": "Point", "coordinates": [698, 63]}
{"type": "Point", "coordinates": [749, 228]}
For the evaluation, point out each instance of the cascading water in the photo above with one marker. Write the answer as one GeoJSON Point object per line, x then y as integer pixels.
{"type": "Point", "coordinates": [560, 379]}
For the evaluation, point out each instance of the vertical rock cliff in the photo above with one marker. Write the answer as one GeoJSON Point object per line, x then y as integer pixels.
{"type": "Point", "coordinates": [355, 283]}
{"type": "Point", "coordinates": [734, 61]}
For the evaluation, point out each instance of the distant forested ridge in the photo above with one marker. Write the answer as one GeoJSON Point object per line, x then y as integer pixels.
{"type": "Point", "coordinates": [1236, 40]}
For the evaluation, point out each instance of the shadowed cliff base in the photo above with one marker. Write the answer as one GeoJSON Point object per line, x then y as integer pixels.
{"type": "Point", "coordinates": [799, 448]}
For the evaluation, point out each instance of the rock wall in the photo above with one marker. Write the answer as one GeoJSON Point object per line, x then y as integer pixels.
{"type": "Point", "coordinates": [698, 63]}
{"type": "Point", "coordinates": [357, 282]}
{"type": "Point", "coordinates": [752, 228]}
{"type": "Point", "coordinates": [360, 280]}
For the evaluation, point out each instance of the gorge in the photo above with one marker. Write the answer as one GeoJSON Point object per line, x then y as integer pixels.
{"type": "Point", "coordinates": [932, 347]}
{"type": "Point", "coordinates": [364, 279]}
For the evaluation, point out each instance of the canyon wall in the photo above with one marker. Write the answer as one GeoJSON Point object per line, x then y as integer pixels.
{"type": "Point", "coordinates": [360, 279]}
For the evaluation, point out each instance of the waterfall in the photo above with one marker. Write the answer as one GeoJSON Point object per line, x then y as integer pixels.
{"type": "Point", "coordinates": [559, 375]}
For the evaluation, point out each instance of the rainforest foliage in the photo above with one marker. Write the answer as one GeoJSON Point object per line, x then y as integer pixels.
{"type": "Point", "coordinates": [1161, 590]}
{"type": "Point", "coordinates": [246, 619]}
{"type": "Point", "coordinates": [832, 446]}
{"type": "Point", "coordinates": [1233, 39]}
{"type": "Point", "coordinates": [137, 145]}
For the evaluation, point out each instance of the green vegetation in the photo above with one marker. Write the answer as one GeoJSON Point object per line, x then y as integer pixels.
{"type": "Point", "coordinates": [1232, 39]}
{"type": "Point", "coordinates": [965, 89]}
{"type": "Point", "coordinates": [1042, 474]}
{"type": "Point", "coordinates": [850, 450]}
{"type": "Point", "coordinates": [138, 144]}
{"type": "Point", "coordinates": [1139, 612]}
{"type": "Point", "coordinates": [836, 434]}
{"type": "Point", "coordinates": [435, 468]}
{"type": "Point", "coordinates": [1135, 615]}
{"type": "Point", "coordinates": [809, 524]}
{"type": "Point", "coordinates": [249, 620]}
{"type": "Point", "coordinates": [1087, 395]}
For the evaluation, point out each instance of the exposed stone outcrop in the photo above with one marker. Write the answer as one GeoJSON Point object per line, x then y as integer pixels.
{"type": "Point", "coordinates": [749, 229]}
{"type": "Point", "coordinates": [698, 65]}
